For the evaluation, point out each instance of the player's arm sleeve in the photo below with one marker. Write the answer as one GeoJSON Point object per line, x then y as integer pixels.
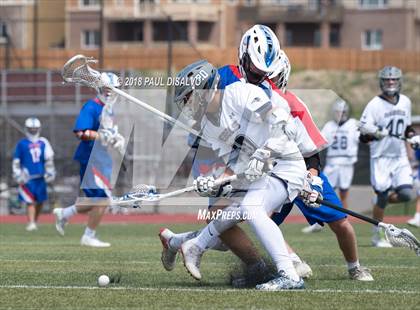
{"type": "Point", "coordinates": [84, 124]}
{"type": "Point", "coordinates": [409, 130]}
{"type": "Point", "coordinates": [16, 168]}
{"type": "Point", "coordinates": [367, 125]}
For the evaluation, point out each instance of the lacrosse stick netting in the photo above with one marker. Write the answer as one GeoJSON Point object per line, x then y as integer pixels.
{"type": "Point", "coordinates": [77, 70]}
{"type": "Point", "coordinates": [401, 237]}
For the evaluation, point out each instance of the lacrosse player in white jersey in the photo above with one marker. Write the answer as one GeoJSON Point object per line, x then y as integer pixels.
{"type": "Point", "coordinates": [385, 122]}
{"type": "Point", "coordinates": [342, 134]}
{"type": "Point", "coordinates": [244, 128]}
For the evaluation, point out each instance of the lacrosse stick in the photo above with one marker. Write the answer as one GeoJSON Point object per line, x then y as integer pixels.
{"type": "Point", "coordinates": [397, 237]}
{"type": "Point", "coordinates": [77, 70]}
{"type": "Point", "coordinates": [148, 193]}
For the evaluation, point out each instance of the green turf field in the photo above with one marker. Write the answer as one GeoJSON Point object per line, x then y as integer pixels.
{"type": "Point", "coordinates": [44, 271]}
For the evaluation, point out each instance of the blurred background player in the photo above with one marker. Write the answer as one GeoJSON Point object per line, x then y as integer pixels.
{"type": "Point", "coordinates": [386, 118]}
{"type": "Point", "coordinates": [415, 221]}
{"type": "Point", "coordinates": [95, 122]}
{"type": "Point", "coordinates": [33, 168]}
{"type": "Point", "coordinates": [342, 134]}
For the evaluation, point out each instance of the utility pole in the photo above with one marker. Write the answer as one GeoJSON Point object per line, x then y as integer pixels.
{"type": "Point", "coordinates": [35, 36]}
{"type": "Point", "coordinates": [101, 34]}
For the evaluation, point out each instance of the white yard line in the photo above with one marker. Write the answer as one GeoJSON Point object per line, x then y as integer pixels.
{"type": "Point", "coordinates": [153, 289]}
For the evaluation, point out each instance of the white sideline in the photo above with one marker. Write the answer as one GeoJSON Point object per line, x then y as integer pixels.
{"type": "Point", "coordinates": [118, 288]}
{"type": "Point", "coordinates": [139, 262]}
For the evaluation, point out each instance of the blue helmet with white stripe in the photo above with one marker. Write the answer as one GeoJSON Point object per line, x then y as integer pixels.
{"type": "Point", "coordinates": [258, 53]}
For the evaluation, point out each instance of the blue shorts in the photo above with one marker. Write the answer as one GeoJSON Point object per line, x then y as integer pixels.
{"type": "Point", "coordinates": [35, 191]}
{"type": "Point", "coordinates": [95, 181]}
{"type": "Point", "coordinates": [320, 215]}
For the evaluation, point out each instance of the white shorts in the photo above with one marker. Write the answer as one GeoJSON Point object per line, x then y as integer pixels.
{"type": "Point", "coordinates": [390, 172]}
{"type": "Point", "coordinates": [340, 176]}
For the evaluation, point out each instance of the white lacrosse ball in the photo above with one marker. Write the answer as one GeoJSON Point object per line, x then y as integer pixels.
{"type": "Point", "coordinates": [103, 280]}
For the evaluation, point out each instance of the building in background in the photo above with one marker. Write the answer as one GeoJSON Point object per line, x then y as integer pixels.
{"type": "Point", "coordinates": [149, 23]}
{"type": "Point", "coordinates": [359, 24]}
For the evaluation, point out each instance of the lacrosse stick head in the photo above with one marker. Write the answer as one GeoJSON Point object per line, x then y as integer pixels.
{"type": "Point", "coordinates": [77, 70]}
{"type": "Point", "coordinates": [401, 238]}
{"type": "Point", "coordinates": [136, 196]}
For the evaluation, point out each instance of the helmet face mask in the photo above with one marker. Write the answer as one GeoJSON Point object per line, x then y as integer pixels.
{"type": "Point", "coordinates": [281, 74]}
{"type": "Point", "coordinates": [390, 81]}
{"type": "Point", "coordinates": [258, 53]}
{"type": "Point", "coordinates": [32, 128]}
{"type": "Point", "coordinates": [341, 111]}
{"type": "Point", "coordinates": [198, 87]}
{"type": "Point", "coordinates": [105, 94]}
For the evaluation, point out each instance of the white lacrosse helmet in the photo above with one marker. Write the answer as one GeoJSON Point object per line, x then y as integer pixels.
{"type": "Point", "coordinates": [341, 111]}
{"type": "Point", "coordinates": [32, 128]}
{"type": "Point", "coordinates": [105, 94]}
{"type": "Point", "coordinates": [281, 74]}
{"type": "Point", "coordinates": [258, 53]}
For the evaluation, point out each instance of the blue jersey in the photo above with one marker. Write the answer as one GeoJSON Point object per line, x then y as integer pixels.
{"type": "Point", "coordinates": [90, 119]}
{"type": "Point", "coordinates": [32, 155]}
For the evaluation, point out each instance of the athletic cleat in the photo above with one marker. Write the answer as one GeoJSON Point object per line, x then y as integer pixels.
{"type": "Point", "coordinates": [303, 269]}
{"type": "Point", "coordinates": [414, 222]}
{"type": "Point", "coordinates": [60, 222]}
{"type": "Point", "coordinates": [312, 229]}
{"type": "Point", "coordinates": [281, 282]}
{"type": "Point", "coordinates": [360, 273]}
{"type": "Point", "coordinates": [191, 255]}
{"type": "Point", "coordinates": [31, 227]}
{"type": "Point", "coordinates": [168, 256]}
{"type": "Point", "coordinates": [93, 242]}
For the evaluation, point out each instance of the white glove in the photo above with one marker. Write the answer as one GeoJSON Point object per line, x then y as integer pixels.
{"type": "Point", "coordinates": [21, 178]}
{"type": "Point", "coordinates": [257, 164]}
{"type": "Point", "coordinates": [111, 137]}
{"type": "Point", "coordinates": [414, 142]}
{"type": "Point", "coordinates": [206, 187]}
{"type": "Point", "coordinates": [373, 130]}
{"type": "Point", "coordinates": [381, 133]}
{"type": "Point", "coordinates": [311, 191]}
{"type": "Point", "coordinates": [49, 177]}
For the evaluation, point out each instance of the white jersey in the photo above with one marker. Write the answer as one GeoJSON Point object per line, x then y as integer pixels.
{"type": "Point", "coordinates": [343, 142]}
{"type": "Point", "coordinates": [395, 117]}
{"type": "Point", "coordinates": [245, 124]}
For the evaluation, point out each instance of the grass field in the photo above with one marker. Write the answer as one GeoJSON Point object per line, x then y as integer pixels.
{"type": "Point", "coordinates": [44, 271]}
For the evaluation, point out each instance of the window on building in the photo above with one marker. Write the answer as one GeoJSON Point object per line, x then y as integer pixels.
{"type": "Point", "coordinates": [142, 2]}
{"type": "Point", "coordinates": [372, 40]}
{"type": "Point", "coordinates": [125, 31]}
{"type": "Point", "coordinates": [90, 39]}
{"type": "Point", "coordinates": [335, 35]}
{"type": "Point", "coordinates": [179, 31]}
{"type": "Point", "coordinates": [249, 2]}
{"type": "Point", "coordinates": [3, 31]}
{"type": "Point", "coordinates": [205, 31]}
{"type": "Point", "coordinates": [90, 3]}
{"type": "Point", "coordinates": [274, 2]}
{"type": "Point", "coordinates": [373, 4]}
{"type": "Point", "coordinates": [303, 34]}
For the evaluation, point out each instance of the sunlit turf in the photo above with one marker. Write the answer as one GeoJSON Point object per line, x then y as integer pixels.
{"type": "Point", "coordinates": [42, 270]}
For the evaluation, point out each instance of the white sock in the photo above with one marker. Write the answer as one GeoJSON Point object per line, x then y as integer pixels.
{"type": "Point", "coordinates": [294, 257]}
{"type": "Point", "coordinates": [352, 265]}
{"type": "Point", "coordinates": [207, 235]}
{"type": "Point", "coordinates": [178, 239]}
{"type": "Point", "coordinates": [417, 216]}
{"type": "Point", "coordinates": [90, 232]}
{"type": "Point", "coordinates": [69, 212]}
